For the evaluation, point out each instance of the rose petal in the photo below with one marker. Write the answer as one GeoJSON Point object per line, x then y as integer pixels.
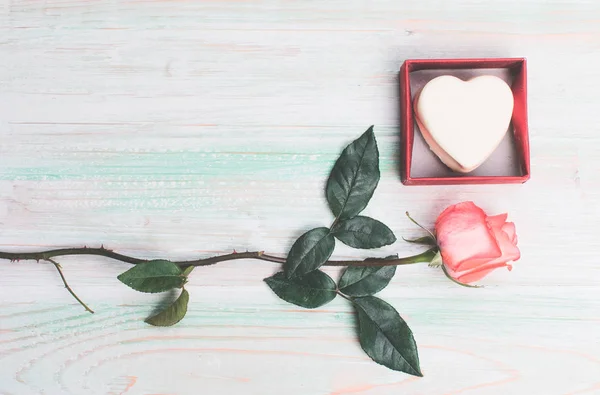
{"type": "Point", "coordinates": [509, 252]}
{"type": "Point", "coordinates": [470, 264]}
{"type": "Point", "coordinates": [511, 231]}
{"type": "Point", "coordinates": [448, 210]}
{"type": "Point", "coordinates": [497, 220]}
{"type": "Point", "coordinates": [464, 235]}
{"type": "Point", "coordinates": [478, 273]}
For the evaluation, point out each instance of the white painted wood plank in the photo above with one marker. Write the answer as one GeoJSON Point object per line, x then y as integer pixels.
{"type": "Point", "coordinates": [186, 129]}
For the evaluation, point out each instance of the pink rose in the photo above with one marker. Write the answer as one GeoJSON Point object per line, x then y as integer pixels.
{"type": "Point", "coordinates": [473, 244]}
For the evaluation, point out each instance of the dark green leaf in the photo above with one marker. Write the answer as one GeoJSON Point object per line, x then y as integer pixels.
{"type": "Point", "coordinates": [173, 313]}
{"type": "Point", "coordinates": [312, 290]}
{"type": "Point", "coordinates": [354, 177]}
{"type": "Point", "coordinates": [365, 280]}
{"type": "Point", "coordinates": [309, 252]}
{"type": "Point", "coordinates": [425, 240]}
{"type": "Point", "coordinates": [153, 276]}
{"type": "Point", "coordinates": [385, 337]}
{"type": "Point", "coordinates": [363, 232]}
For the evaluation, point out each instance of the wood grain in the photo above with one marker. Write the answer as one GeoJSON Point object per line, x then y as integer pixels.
{"type": "Point", "coordinates": [187, 128]}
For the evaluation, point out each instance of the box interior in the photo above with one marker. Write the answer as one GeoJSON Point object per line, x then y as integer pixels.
{"type": "Point", "coordinates": [504, 161]}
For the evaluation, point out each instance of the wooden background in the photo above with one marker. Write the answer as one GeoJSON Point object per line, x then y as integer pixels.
{"type": "Point", "coordinates": [184, 129]}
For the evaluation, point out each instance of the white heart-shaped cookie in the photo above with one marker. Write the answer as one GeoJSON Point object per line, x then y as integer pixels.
{"type": "Point", "coordinates": [464, 121]}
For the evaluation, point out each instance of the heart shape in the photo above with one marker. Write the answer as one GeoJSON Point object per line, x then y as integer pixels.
{"type": "Point", "coordinates": [464, 121]}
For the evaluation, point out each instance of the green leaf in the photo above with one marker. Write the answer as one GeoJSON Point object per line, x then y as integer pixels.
{"type": "Point", "coordinates": [173, 313]}
{"type": "Point", "coordinates": [309, 252]}
{"type": "Point", "coordinates": [153, 276]}
{"type": "Point", "coordinates": [354, 177]}
{"type": "Point", "coordinates": [363, 232]}
{"type": "Point", "coordinates": [385, 337]}
{"type": "Point", "coordinates": [188, 270]}
{"type": "Point", "coordinates": [312, 290]}
{"type": "Point", "coordinates": [365, 280]}
{"type": "Point", "coordinates": [425, 240]}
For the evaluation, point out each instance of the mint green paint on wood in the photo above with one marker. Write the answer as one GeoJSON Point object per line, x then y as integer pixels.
{"type": "Point", "coordinates": [187, 129]}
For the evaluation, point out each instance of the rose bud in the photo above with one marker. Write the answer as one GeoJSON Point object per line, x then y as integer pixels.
{"type": "Point", "coordinates": [473, 244]}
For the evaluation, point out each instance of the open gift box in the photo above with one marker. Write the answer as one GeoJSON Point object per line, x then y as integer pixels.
{"type": "Point", "coordinates": [509, 163]}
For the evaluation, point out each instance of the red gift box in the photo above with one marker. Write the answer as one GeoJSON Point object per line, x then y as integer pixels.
{"type": "Point", "coordinates": [517, 70]}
